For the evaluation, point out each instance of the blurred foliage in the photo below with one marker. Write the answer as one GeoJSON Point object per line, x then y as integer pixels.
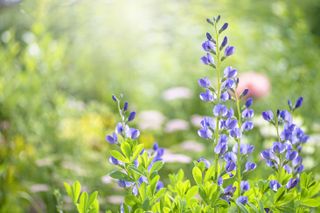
{"type": "Point", "coordinates": [62, 60]}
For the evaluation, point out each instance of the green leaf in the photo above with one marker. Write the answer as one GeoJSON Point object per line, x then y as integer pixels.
{"type": "Point", "coordinates": [116, 154]}
{"type": "Point", "coordinates": [242, 207]}
{"type": "Point", "coordinates": [253, 207]}
{"type": "Point", "coordinates": [192, 192]}
{"type": "Point", "coordinates": [279, 194]}
{"type": "Point", "coordinates": [197, 175]}
{"type": "Point", "coordinates": [311, 202]}
{"type": "Point", "coordinates": [83, 203]}
{"type": "Point", "coordinates": [119, 175]}
{"type": "Point", "coordinates": [126, 149]}
{"type": "Point", "coordinates": [92, 198]}
{"type": "Point", "coordinates": [137, 150]}
{"type": "Point", "coordinates": [209, 174]}
{"type": "Point", "coordinates": [156, 166]}
{"type": "Point", "coordinates": [73, 191]}
{"type": "Point", "coordinates": [135, 170]}
{"type": "Point", "coordinates": [153, 184]}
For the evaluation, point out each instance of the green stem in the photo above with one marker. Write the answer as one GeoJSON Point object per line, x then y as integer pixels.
{"type": "Point", "coordinates": [217, 59]}
{"type": "Point", "coordinates": [238, 142]}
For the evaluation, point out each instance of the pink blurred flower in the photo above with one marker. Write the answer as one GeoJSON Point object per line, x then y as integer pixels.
{"type": "Point", "coordinates": [176, 125]}
{"type": "Point", "coordinates": [176, 93]}
{"type": "Point", "coordinates": [257, 83]}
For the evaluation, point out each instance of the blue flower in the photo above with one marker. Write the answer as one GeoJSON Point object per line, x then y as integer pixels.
{"type": "Point", "coordinates": [228, 84]}
{"type": "Point", "coordinates": [208, 46]}
{"type": "Point", "coordinates": [287, 168]}
{"type": "Point", "coordinates": [231, 123]}
{"type": "Point", "coordinates": [250, 166]}
{"type": "Point", "coordinates": [224, 42]}
{"type": "Point", "coordinates": [230, 156]}
{"type": "Point", "coordinates": [208, 35]}
{"type": "Point", "coordinates": [223, 28]}
{"type": "Point", "coordinates": [247, 125]}
{"type": "Point", "coordinates": [124, 184]}
{"type": "Point", "coordinates": [229, 51]}
{"type": "Point", "coordinates": [244, 92]}
{"type": "Point", "coordinates": [125, 106]}
{"type": "Point", "coordinates": [221, 146]}
{"type": "Point", "coordinates": [278, 147]}
{"type": "Point", "coordinates": [112, 139]}
{"type": "Point", "coordinates": [155, 146]}
{"type": "Point", "coordinates": [159, 185]}
{"type": "Point", "coordinates": [225, 96]}
{"type": "Point", "coordinates": [235, 133]}
{"type": "Point", "coordinates": [205, 161]}
{"type": "Point", "coordinates": [206, 96]}
{"type": "Point", "coordinates": [114, 98]}
{"type": "Point", "coordinates": [132, 115]}
{"type": "Point", "coordinates": [247, 113]}
{"type": "Point", "coordinates": [243, 200]}
{"type": "Point", "coordinates": [298, 102]}
{"type": "Point", "coordinates": [291, 155]}
{"type": "Point", "coordinates": [204, 82]}
{"type": "Point", "coordinates": [220, 181]}
{"type": "Point", "coordinates": [113, 161]}
{"type": "Point", "coordinates": [230, 166]}
{"type": "Point", "coordinates": [207, 122]}
{"type": "Point", "coordinates": [207, 60]}
{"type": "Point", "coordinates": [220, 110]}
{"type": "Point", "coordinates": [244, 148]}
{"type": "Point", "coordinates": [266, 154]}
{"type": "Point", "coordinates": [274, 185]}
{"type": "Point", "coordinates": [285, 116]}
{"type": "Point", "coordinates": [244, 186]}
{"type": "Point", "coordinates": [267, 115]}
{"type": "Point", "coordinates": [292, 183]}
{"type": "Point", "coordinates": [205, 133]}
{"type": "Point", "coordinates": [133, 133]}
{"type": "Point", "coordinates": [249, 102]}
{"type": "Point", "coordinates": [230, 72]}
{"type": "Point", "coordinates": [229, 190]}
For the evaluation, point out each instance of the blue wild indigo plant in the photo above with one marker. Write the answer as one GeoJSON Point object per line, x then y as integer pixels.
{"type": "Point", "coordinates": [220, 183]}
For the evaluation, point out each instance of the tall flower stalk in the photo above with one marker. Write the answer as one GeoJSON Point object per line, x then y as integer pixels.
{"type": "Point", "coordinates": [225, 125]}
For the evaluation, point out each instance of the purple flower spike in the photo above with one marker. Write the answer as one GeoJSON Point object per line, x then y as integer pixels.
{"type": "Point", "coordinates": [285, 116]}
{"type": "Point", "coordinates": [292, 183]}
{"type": "Point", "coordinates": [220, 110]}
{"type": "Point", "coordinates": [155, 146]}
{"type": "Point", "coordinates": [208, 46]}
{"type": "Point", "coordinates": [274, 185]}
{"type": "Point", "coordinates": [243, 200]}
{"type": "Point", "coordinates": [250, 166]}
{"type": "Point", "coordinates": [287, 168]}
{"type": "Point", "coordinates": [230, 72]}
{"type": "Point", "coordinates": [132, 115]}
{"type": "Point", "coordinates": [299, 102]}
{"type": "Point", "coordinates": [206, 96]}
{"type": "Point", "coordinates": [229, 190]}
{"type": "Point", "coordinates": [221, 147]}
{"type": "Point", "coordinates": [205, 133]}
{"type": "Point", "coordinates": [267, 115]}
{"type": "Point", "coordinates": [231, 123]}
{"type": "Point", "coordinates": [207, 60]}
{"type": "Point", "coordinates": [220, 181]}
{"type": "Point", "coordinates": [244, 186]}
{"type": "Point", "coordinates": [204, 82]}
{"type": "Point", "coordinates": [249, 102]}
{"type": "Point", "coordinates": [112, 139]}
{"type": "Point", "coordinates": [229, 51]}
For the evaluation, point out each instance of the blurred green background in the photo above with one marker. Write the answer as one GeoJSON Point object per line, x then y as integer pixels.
{"type": "Point", "coordinates": [60, 61]}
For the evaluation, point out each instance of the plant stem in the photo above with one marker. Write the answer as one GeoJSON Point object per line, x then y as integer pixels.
{"type": "Point", "coordinates": [238, 142]}
{"type": "Point", "coordinates": [217, 59]}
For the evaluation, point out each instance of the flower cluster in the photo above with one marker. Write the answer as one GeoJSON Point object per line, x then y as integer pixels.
{"type": "Point", "coordinates": [285, 153]}
{"type": "Point", "coordinates": [224, 126]}
{"type": "Point", "coordinates": [137, 168]}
